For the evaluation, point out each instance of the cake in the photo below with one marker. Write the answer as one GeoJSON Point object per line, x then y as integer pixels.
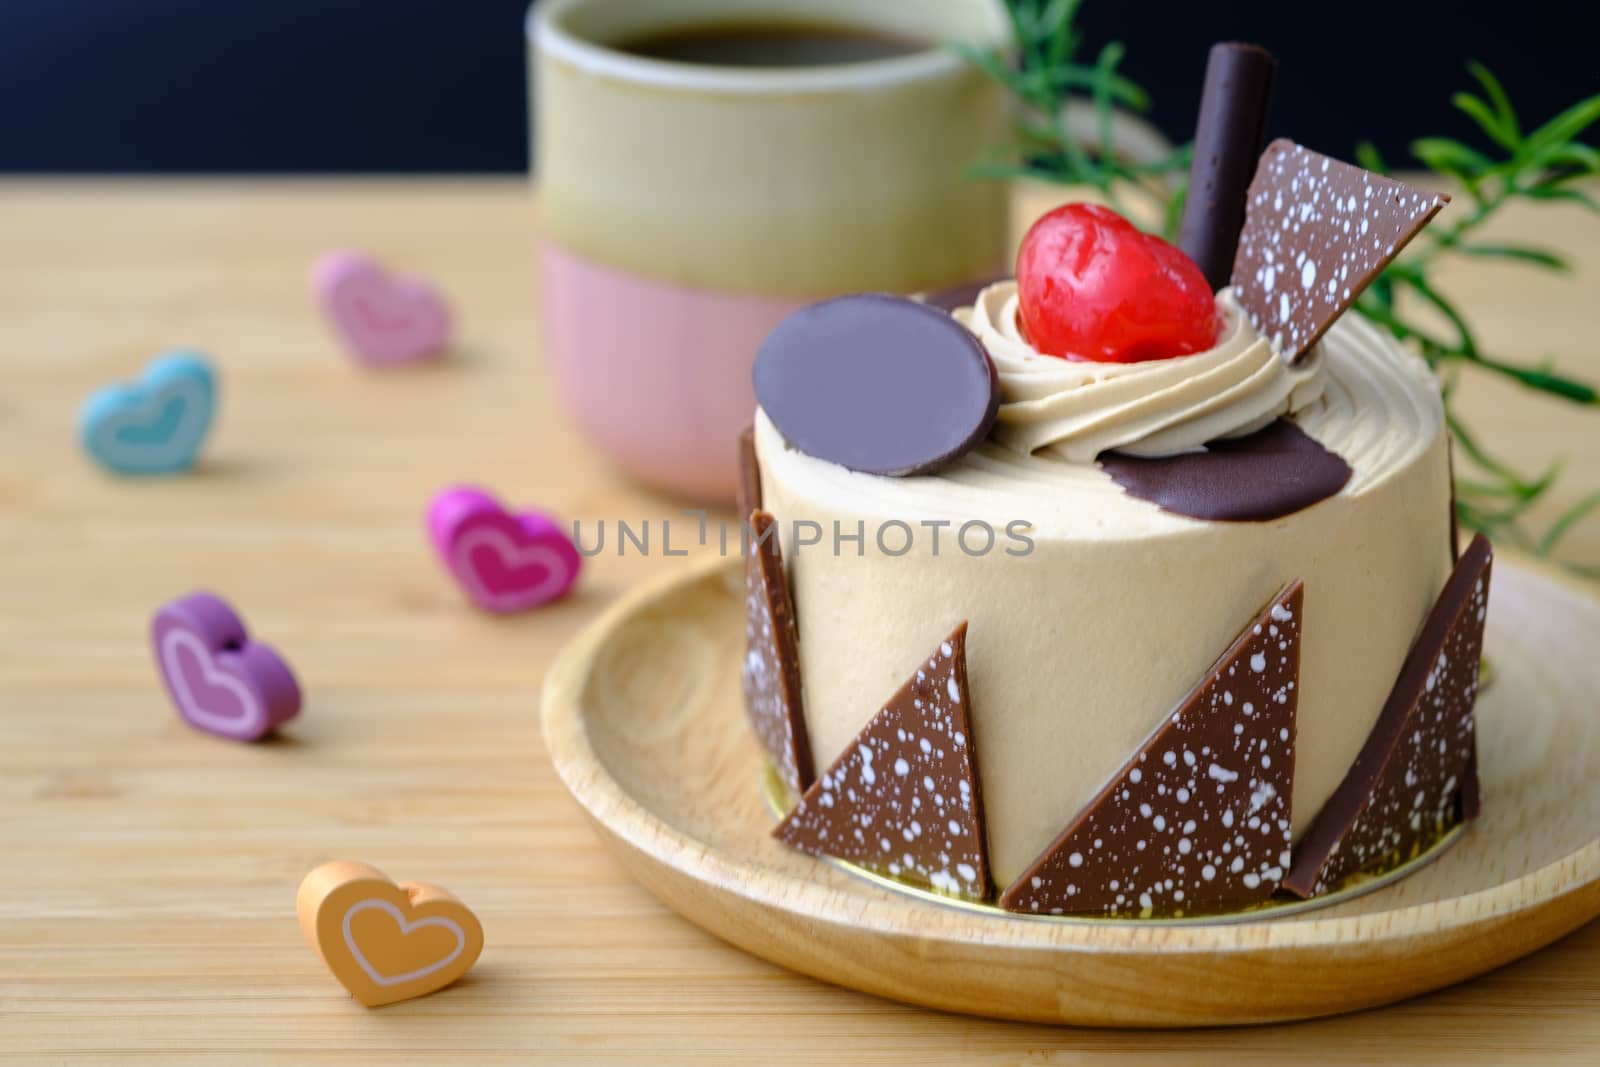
{"type": "Point", "coordinates": [1215, 639]}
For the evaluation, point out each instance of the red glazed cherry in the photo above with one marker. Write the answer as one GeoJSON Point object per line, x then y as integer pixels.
{"type": "Point", "coordinates": [1092, 286]}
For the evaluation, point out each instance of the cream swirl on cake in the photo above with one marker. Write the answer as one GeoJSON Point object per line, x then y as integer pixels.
{"type": "Point", "coordinates": [1075, 409]}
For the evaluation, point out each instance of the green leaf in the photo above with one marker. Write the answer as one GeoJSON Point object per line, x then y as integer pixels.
{"type": "Point", "coordinates": [1503, 112]}
{"type": "Point", "coordinates": [1536, 256]}
{"type": "Point", "coordinates": [1466, 342]}
{"type": "Point", "coordinates": [1563, 525]}
{"type": "Point", "coordinates": [1172, 217]}
{"type": "Point", "coordinates": [990, 63]}
{"type": "Point", "coordinates": [1567, 125]}
{"type": "Point", "coordinates": [1487, 120]}
{"type": "Point", "coordinates": [1576, 391]}
{"type": "Point", "coordinates": [1551, 192]}
{"type": "Point", "coordinates": [1020, 31]}
{"type": "Point", "coordinates": [1176, 163]}
{"type": "Point", "coordinates": [1476, 453]}
{"type": "Point", "coordinates": [1493, 490]}
{"type": "Point", "coordinates": [1534, 378]}
{"type": "Point", "coordinates": [1450, 157]}
{"type": "Point", "coordinates": [1566, 162]}
{"type": "Point", "coordinates": [1367, 155]}
{"type": "Point", "coordinates": [1072, 76]}
{"type": "Point", "coordinates": [1104, 68]}
{"type": "Point", "coordinates": [1059, 17]}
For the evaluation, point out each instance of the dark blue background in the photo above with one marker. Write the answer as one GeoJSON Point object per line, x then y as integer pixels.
{"type": "Point", "coordinates": [437, 85]}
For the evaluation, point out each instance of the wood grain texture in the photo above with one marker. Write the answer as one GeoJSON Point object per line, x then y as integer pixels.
{"type": "Point", "coordinates": [147, 899]}
{"type": "Point", "coordinates": [645, 724]}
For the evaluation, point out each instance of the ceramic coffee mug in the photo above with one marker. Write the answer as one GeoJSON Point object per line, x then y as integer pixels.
{"type": "Point", "coordinates": [686, 209]}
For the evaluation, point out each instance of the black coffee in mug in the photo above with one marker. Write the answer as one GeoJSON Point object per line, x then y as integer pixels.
{"type": "Point", "coordinates": [770, 44]}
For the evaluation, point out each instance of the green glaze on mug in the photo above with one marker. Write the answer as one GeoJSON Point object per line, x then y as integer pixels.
{"type": "Point", "coordinates": [712, 186]}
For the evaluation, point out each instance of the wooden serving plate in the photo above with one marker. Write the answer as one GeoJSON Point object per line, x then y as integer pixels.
{"type": "Point", "coordinates": [644, 720]}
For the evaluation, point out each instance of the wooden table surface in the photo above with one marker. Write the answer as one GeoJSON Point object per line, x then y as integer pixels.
{"type": "Point", "coordinates": [149, 872]}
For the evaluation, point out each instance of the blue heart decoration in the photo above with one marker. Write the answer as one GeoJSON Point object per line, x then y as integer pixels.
{"type": "Point", "coordinates": [157, 424]}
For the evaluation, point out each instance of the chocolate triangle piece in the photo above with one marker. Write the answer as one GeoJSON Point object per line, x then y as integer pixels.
{"type": "Point", "coordinates": [903, 799]}
{"type": "Point", "coordinates": [1316, 233]}
{"type": "Point", "coordinates": [1455, 527]}
{"type": "Point", "coordinates": [772, 657]}
{"type": "Point", "coordinates": [1417, 773]}
{"type": "Point", "coordinates": [749, 498]}
{"type": "Point", "coordinates": [1198, 821]}
{"type": "Point", "coordinates": [1471, 791]}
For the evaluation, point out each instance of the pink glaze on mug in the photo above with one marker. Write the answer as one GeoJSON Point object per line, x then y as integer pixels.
{"type": "Point", "coordinates": [655, 375]}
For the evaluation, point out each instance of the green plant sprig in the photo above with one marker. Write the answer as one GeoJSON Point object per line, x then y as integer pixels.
{"type": "Point", "coordinates": [1543, 165]}
{"type": "Point", "coordinates": [1043, 75]}
{"type": "Point", "coordinates": [1042, 72]}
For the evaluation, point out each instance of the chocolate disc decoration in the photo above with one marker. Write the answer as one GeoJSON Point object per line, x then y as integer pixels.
{"type": "Point", "coordinates": [749, 491]}
{"type": "Point", "coordinates": [1417, 773]}
{"type": "Point", "coordinates": [903, 798]}
{"type": "Point", "coordinates": [1227, 141]}
{"type": "Point", "coordinates": [1198, 821]}
{"type": "Point", "coordinates": [1316, 233]}
{"type": "Point", "coordinates": [771, 674]}
{"type": "Point", "coordinates": [1273, 472]}
{"type": "Point", "coordinates": [877, 384]}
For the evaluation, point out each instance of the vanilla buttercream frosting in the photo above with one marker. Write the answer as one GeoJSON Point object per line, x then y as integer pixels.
{"type": "Point", "coordinates": [1075, 409]}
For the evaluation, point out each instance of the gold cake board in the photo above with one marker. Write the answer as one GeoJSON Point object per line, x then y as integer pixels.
{"type": "Point", "coordinates": [644, 721]}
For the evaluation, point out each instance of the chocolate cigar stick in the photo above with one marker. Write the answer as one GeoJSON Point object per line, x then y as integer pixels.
{"type": "Point", "coordinates": [1227, 141]}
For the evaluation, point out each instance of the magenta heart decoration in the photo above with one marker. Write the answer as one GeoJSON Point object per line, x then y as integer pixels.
{"type": "Point", "coordinates": [221, 681]}
{"type": "Point", "coordinates": [504, 562]}
{"type": "Point", "coordinates": [384, 321]}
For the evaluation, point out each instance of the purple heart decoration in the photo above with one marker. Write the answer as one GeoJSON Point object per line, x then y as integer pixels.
{"type": "Point", "coordinates": [220, 680]}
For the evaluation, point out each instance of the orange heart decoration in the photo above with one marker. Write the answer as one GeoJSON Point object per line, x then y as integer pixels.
{"type": "Point", "coordinates": [386, 942]}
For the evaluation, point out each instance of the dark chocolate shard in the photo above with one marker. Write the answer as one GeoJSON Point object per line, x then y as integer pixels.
{"type": "Point", "coordinates": [749, 492]}
{"type": "Point", "coordinates": [903, 798]}
{"type": "Point", "coordinates": [1471, 790]}
{"type": "Point", "coordinates": [771, 673]}
{"type": "Point", "coordinates": [877, 384]}
{"type": "Point", "coordinates": [1227, 142]}
{"type": "Point", "coordinates": [1316, 233]}
{"type": "Point", "coordinates": [1276, 471]}
{"type": "Point", "coordinates": [1416, 776]}
{"type": "Point", "coordinates": [1198, 821]}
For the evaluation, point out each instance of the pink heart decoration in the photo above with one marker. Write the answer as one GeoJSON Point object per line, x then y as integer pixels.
{"type": "Point", "coordinates": [219, 680]}
{"type": "Point", "coordinates": [504, 562]}
{"type": "Point", "coordinates": [383, 320]}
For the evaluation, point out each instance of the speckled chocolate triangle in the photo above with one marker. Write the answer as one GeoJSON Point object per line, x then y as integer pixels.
{"type": "Point", "coordinates": [1198, 821]}
{"type": "Point", "coordinates": [1316, 233]}
{"type": "Point", "coordinates": [772, 657]}
{"type": "Point", "coordinates": [1416, 776]}
{"type": "Point", "coordinates": [903, 799]}
{"type": "Point", "coordinates": [749, 491]}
